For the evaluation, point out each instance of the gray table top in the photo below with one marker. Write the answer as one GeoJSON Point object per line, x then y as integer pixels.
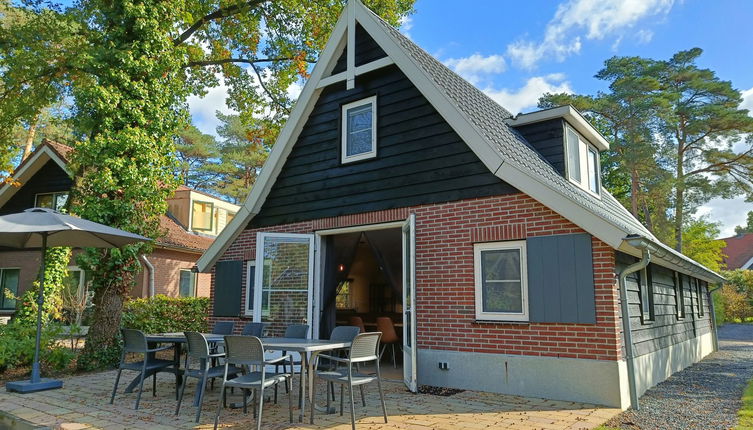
{"type": "Point", "coordinates": [270, 343]}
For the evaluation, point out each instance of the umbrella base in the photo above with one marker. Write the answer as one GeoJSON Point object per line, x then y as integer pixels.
{"type": "Point", "coordinates": [32, 387]}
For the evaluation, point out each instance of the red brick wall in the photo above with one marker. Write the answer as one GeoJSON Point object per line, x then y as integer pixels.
{"type": "Point", "coordinates": [27, 262]}
{"type": "Point", "coordinates": [167, 266]}
{"type": "Point", "coordinates": [445, 293]}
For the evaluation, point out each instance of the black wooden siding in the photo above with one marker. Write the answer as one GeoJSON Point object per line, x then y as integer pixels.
{"type": "Point", "coordinates": [561, 279]}
{"type": "Point", "coordinates": [420, 159]}
{"type": "Point", "coordinates": [547, 137]}
{"type": "Point", "coordinates": [666, 329]}
{"type": "Point", "coordinates": [50, 178]}
{"type": "Point", "coordinates": [367, 50]}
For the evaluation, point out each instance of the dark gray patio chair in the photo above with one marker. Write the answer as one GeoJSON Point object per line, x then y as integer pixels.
{"type": "Point", "coordinates": [134, 342]}
{"type": "Point", "coordinates": [364, 349]}
{"type": "Point", "coordinates": [223, 328]}
{"type": "Point", "coordinates": [248, 352]}
{"type": "Point", "coordinates": [294, 331]}
{"type": "Point", "coordinates": [254, 329]}
{"type": "Point", "coordinates": [343, 333]}
{"type": "Point", "coordinates": [198, 351]}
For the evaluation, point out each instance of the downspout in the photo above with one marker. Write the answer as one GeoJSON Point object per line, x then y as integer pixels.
{"type": "Point", "coordinates": [150, 269]}
{"type": "Point", "coordinates": [629, 355]}
{"type": "Point", "coordinates": [713, 318]}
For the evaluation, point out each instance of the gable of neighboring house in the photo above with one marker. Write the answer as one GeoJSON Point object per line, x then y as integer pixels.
{"type": "Point", "coordinates": [738, 252]}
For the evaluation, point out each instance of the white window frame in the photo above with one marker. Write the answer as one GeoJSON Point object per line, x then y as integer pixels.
{"type": "Point", "coordinates": [250, 280]}
{"type": "Point", "coordinates": [195, 278]}
{"type": "Point", "coordinates": [583, 148]}
{"type": "Point", "coordinates": [597, 168]}
{"type": "Point", "coordinates": [344, 137]}
{"type": "Point", "coordinates": [55, 195]}
{"type": "Point", "coordinates": [520, 246]}
{"type": "Point", "coordinates": [2, 287]}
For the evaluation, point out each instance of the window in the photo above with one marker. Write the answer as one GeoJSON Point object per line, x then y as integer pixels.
{"type": "Point", "coordinates": [646, 289]}
{"type": "Point", "coordinates": [679, 296]}
{"type": "Point", "coordinates": [593, 170]}
{"type": "Point", "coordinates": [202, 216]}
{"type": "Point", "coordinates": [359, 130]}
{"type": "Point", "coordinates": [582, 162]}
{"type": "Point", "coordinates": [250, 280]}
{"type": "Point", "coordinates": [187, 287]}
{"type": "Point", "coordinates": [699, 295]}
{"type": "Point", "coordinates": [54, 201]}
{"type": "Point", "coordinates": [501, 284]}
{"type": "Point", "coordinates": [8, 288]}
{"type": "Point", "coordinates": [343, 299]}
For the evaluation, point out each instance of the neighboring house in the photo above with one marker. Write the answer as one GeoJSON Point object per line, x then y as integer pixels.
{"type": "Point", "coordinates": [46, 181]}
{"type": "Point", "coordinates": [738, 252]}
{"type": "Point", "coordinates": [492, 229]}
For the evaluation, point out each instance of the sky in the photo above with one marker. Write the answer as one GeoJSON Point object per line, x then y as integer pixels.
{"type": "Point", "coordinates": [516, 51]}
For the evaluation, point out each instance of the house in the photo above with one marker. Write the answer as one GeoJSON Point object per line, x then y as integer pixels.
{"type": "Point", "coordinates": [738, 251]}
{"type": "Point", "coordinates": [398, 189]}
{"type": "Point", "coordinates": [45, 182]}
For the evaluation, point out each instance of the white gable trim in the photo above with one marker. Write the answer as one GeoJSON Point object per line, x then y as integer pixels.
{"type": "Point", "coordinates": [29, 168]}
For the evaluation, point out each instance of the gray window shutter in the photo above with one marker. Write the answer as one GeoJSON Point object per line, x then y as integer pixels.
{"type": "Point", "coordinates": [561, 279]}
{"type": "Point", "coordinates": [227, 288]}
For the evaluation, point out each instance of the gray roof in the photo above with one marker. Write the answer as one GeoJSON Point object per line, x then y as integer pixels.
{"type": "Point", "coordinates": [489, 119]}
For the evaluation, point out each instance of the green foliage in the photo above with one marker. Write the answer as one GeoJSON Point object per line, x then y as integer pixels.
{"type": "Point", "coordinates": [737, 295]}
{"type": "Point", "coordinates": [17, 347]}
{"type": "Point", "coordinates": [701, 244]}
{"type": "Point", "coordinates": [195, 151]}
{"type": "Point", "coordinates": [745, 414]}
{"type": "Point", "coordinates": [162, 314]}
{"type": "Point", "coordinates": [56, 268]}
{"type": "Point", "coordinates": [720, 312]}
{"type": "Point", "coordinates": [748, 227]}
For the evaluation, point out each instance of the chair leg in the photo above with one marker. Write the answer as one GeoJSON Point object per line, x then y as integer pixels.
{"type": "Point", "coordinates": [352, 407]}
{"type": "Point", "coordinates": [363, 396]}
{"type": "Point", "coordinates": [329, 393]}
{"type": "Point", "coordinates": [115, 388]}
{"type": "Point", "coordinates": [260, 400]}
{"type": "Point", "coordinates": [180, 396]}
{"type": "Point", "coordinates": [245, 401]}
{"type": "Point", "coordinates": [342, 399]}
{"type": "Point", "coordinates": [201, 396]}
{"type": "Point", "coordinates": [224, 397]}
{"type": "Point", "coordinates": [219, 408]}
{"type": "Point", "coordinates": [332, 388]}
{"type": "Point", "coordinates": [394, 363]}
{"type": "Point", "coordinates": [141, 385]}
{"type": "Point", "coordinates": [290, 397]}
{"type": "Point", "coordinates": [154, 385]}
{"type": "Point", "coordinates": [381, 394]}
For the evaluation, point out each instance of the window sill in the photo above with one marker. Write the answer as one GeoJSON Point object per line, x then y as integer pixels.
{"type": "Point", "coordinates": [513, 322]}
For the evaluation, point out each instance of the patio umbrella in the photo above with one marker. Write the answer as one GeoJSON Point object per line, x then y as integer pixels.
{"type": "Point", "coordinates": [40, 228]}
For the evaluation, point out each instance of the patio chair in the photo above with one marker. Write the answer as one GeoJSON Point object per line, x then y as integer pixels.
{"type": "Point", "coordinates": [364, 349]}
{"type": "Point", "coordinates": [343, 333]}
{"type": "Point", "coordinates": [389, 337]}
{"type": "Point", "coordinates": [254, 329]}
{"type": "Point", "coordinates": [198, 350]}
{"type": "Point", "coordinates": [294, 331]}
{"type": "Point", "coordinates": [134, 342]}
{"type": "Point", "coordinates": [358, 322]}
{"type": "Point", "coordinates": [223, 328]}
{"type": "Point", "coordinates": [248, 352]}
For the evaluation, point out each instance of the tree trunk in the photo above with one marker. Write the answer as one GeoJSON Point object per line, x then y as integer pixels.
{"type": "Point", "coordinates": [102, 348]}
{"type": "Point", "coordinates": [29, 145]}
{"type": "Point", "coordinates": [634, 191]}
{"type": "Point", "coordinates": [679, 196]}
{"type": "Point", "coordinates": [647, 217]}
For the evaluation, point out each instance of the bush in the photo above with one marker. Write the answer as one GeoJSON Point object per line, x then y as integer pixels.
{"type": "Point", "coordinates": [17, 347]}
{"type": "Point", "coordinates": [162, 314]}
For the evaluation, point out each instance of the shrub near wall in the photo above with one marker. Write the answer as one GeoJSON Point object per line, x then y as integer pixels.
{"type": "Point", "coordinates": [162, 314]}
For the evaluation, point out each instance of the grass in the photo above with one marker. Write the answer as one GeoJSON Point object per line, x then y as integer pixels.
{"type": "Point", "coordinates": [745, 414]}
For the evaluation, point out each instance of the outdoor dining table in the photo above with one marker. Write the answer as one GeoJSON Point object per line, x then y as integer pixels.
{"type": "Point", "coordinates": [309, 349]}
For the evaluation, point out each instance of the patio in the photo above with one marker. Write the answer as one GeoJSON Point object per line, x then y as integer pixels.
{"type": "Point", "coordinates": [84, 403]}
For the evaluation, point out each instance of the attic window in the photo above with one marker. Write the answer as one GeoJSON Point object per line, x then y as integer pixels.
{"type": "Point", "coordinates": [359, 130]}
{"type": "Point", "coordinates": [582, 162]}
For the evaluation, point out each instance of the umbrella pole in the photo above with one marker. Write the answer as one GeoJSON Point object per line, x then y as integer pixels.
{"type": "Point", "coordinates": [35, 376]}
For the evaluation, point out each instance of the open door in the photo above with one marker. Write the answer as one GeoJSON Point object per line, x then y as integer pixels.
{"type": "Point", "coordinates": [409, 303]}
{"type": "Point", "coordinates": [283, 289]}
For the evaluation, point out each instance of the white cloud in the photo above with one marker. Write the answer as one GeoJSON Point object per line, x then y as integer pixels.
{"type": "Point", "coordinates": [729, 212]}
{"type": "Point", "coordinates": [406, 24]}
{"type": "Point", "coordinates": [477, 66]}
{"type": "Point", "coordinates": [592, 19]}
{"type": "Point", "coordinates": [528, 95]}
{"type": "Point", "coordinates": [203, 109]}
{"type": "Point", "coordinates": [747, 100]}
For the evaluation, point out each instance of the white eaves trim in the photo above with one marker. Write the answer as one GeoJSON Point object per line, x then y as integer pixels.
{"type": "Point", "coordinates": [29, 168]}
{"type": "Point", "coordinates": [571, 115]}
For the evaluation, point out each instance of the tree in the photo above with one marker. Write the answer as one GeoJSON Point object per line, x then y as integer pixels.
{"type": "Point", "coordinates": [748, 227]}
{"type": "Point", "coordinates": [195, 152]}
{"type": "Point", "coordinates": [243, 151]}
{"type": "Point", "coordinates": [129, 67]}
{"type": "Point", "coordinates": [701, 245]}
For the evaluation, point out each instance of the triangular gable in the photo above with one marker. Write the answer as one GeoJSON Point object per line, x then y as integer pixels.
{"type": "Point", "coordinates": [29, 167]}
{"type": "Point", "coordinates": [479, 121]}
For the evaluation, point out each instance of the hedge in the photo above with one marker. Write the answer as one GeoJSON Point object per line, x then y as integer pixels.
{"type": "Point", "coordinates": [162, 314]}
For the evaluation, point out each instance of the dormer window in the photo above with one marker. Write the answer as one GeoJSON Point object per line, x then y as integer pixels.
{"type": "Point", "coordinates": [582, 162]}
{"type": "Point", "coordinates": [359, 130]}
